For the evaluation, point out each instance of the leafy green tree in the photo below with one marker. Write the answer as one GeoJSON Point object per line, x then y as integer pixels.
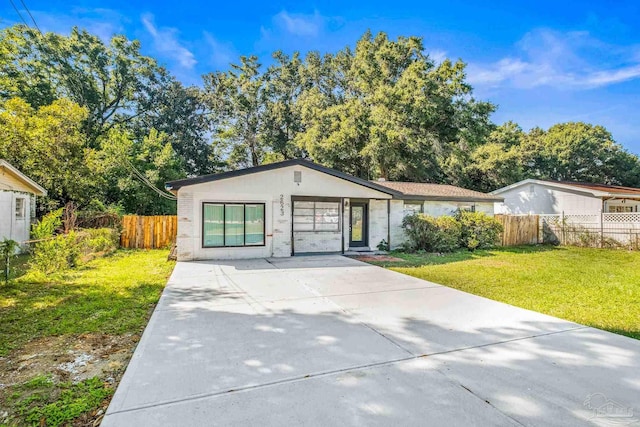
{"type": "Point", "coordinates": [182, 115]}
{"type": "Point", "coordinates": [387, 110]}
{"type": "Point", "coordinates": [282, 117]}
{"type": "Point", "coordinates": [497, 162]}
{"type": "Point", "coordinates": [48, 145]}
{"type": "Point", "coordinates": [122, 158]}
{"type": "Point", "coordinates": [110, 80]}
{"type": "Point", "coordinates": [22, 72]}
{"type": "Point", "coordinates": [235, 100]}
{"type": "Point", "coordinates": [577, 151]}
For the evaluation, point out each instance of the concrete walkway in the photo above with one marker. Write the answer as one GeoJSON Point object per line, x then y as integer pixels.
{"type": "Point", "coordinates": [328, 340]}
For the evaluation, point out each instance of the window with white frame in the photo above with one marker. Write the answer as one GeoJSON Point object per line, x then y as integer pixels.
{"type": "Point", "coordinates": [467, 208]}
{"type": "Point", "coordinates": [312, 215]}
{"type": "Point", "coordinates": [21, 208]}
{"type": "Point", "coordinates": [412, 208]}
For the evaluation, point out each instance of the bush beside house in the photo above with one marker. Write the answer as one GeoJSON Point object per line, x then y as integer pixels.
{"type": "Point", "coordinates": [470, 230]}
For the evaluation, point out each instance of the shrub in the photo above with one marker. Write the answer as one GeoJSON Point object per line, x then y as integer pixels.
{"type": "Point", "coordinates": [8, 249]}
{"type": "Point", "coordinates": [48, 225]}
{"type": "Point", "coordinates": [478, 230]}
{"type": "Point", "coordinates": [56, 254]}
{"type": "Point", "coordinates": [99, 240]}
{"type": "Point", "coordinates": [424, 232]}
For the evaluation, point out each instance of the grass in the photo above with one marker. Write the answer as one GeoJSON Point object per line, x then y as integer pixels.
{"type": "Point", "coordinates": [41, 401]}
{"type": "Point", "coordinates": [594, 287]}
{"type": "Point", "coordinates": [112, 295]}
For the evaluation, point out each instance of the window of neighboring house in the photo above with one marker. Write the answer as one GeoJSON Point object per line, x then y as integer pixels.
{"type": "Point", "coordinates": [621, 209]}
{"type": "Point", "coordinates": [468, 208]}
{"type": "Point", "coordinates": [316, 216]}
{"type": "Point", "coordinates": [232, 224]}
{"type": "Point", "coordinates": [412, 208]}
{"type": "Point", "coordinates": [21, 208]}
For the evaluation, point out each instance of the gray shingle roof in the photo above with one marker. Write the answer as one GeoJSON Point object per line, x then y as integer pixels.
{"type": "Point", "coordinates": [438, 191]}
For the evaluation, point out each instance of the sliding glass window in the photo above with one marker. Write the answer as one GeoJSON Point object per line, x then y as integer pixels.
{"type": "Point", "coordinates": [232, 224]}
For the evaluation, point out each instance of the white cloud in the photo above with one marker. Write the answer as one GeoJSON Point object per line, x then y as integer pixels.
{"type": "Point", "coordinates": [571, 60]}
{"type": "Point", "coordinates": [300, 24]}
{"type": "Point", "coordinates": [220, 54]}
{"type": "Point", "coordinates": [437, 56]}
{"type": "Point", "coordinates": [165, 42]}
{"type": "Point", "coordinates": [101, 22]}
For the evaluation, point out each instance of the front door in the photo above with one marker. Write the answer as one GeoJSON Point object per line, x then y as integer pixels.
{"type": "Point", "coordinates": [358, 230]}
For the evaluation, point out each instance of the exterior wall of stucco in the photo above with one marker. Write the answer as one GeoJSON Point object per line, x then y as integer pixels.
{"type": "Point", "coordinates": [440, 208]}
{"type": "Point", "coordinates": [275, 189]}
{"type": "Point", "coordinates": [536, 198]}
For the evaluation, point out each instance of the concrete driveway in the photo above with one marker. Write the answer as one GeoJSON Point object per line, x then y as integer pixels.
{"type": "Point", "coordinates": [328, 340]}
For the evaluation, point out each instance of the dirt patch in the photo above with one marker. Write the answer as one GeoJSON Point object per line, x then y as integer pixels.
{"type": "Point", "coordinates": [377, 258]}
{"type": "Point", "coordinates": [69, 358]}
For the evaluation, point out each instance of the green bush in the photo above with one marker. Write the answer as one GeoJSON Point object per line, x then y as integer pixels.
{"type": "Point", "coordinates": [48, 225]}
{"type": "Point", "coordinates": [427, 233]}
{"type": "Point", "coordinates": [56, 253]}
{"type": "Point", "coordinates": [478, 230]}
{"type": "Point", "coordinates": [53, 253]}
{"type": "Point", "coordinates": [99, 240]}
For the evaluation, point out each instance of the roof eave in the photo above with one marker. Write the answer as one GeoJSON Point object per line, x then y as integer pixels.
{"type": "Point", "coordinates": [174, 186]}
{"type": "Point", "coordinates": [451, 198]}
{"type": "Point", "coordinates": [40, 191]}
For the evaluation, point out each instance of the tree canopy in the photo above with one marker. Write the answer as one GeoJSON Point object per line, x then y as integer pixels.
{"type": "Point", "coordinates": [101, 124]}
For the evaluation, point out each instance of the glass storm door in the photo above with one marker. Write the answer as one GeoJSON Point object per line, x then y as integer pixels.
{"type": "Point", "coordinates": [358, 233]}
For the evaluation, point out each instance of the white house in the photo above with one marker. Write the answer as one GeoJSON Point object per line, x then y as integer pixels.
{"type": "Point", "coordinates": [552, 197]}
{"type": "Point", "coordinates": [17, 202]}
{"type": "Point", "coordinates": [296, 206]}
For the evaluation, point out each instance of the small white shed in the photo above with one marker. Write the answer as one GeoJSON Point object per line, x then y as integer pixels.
{"type": "Point", "coordinates": [299, 207]}
{"type": "Point", "coordinates": [17, 202]}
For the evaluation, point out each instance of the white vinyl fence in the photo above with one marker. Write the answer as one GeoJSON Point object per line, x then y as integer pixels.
{"type": "Point", "coordinates": [600, 230]}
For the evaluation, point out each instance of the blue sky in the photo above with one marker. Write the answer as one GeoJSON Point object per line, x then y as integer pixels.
{"type": "Point", "coordinates": [542, 62]}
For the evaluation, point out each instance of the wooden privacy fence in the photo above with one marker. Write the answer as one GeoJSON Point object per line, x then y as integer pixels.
{"type": "Point", "coordinates": [148, 232]}
{"type": "Point", "coordinates": [519, 229]}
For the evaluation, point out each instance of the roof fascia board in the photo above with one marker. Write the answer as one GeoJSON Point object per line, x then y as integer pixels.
{"type": "Point", "coordinates": [451, 198]}
{"type": "Point", "coordinates": [29, 181]}
{"type": "Point", "coordinates": [176, 185]}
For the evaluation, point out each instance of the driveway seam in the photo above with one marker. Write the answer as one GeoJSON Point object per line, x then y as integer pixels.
{"type": "Point", "coordinates": [201, 396]}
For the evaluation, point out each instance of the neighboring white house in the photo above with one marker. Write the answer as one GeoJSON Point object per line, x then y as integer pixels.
{"type": "Point", "coordinates": [296, 206]}
{"type": "Point", "coordinates": [534, 196]}
{"type": "Point", "coordinates": [17, 202]}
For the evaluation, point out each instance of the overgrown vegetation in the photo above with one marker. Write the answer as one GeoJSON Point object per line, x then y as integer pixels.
{"type": "Point", "coordinates": [111, 295]}
{"type": "Point", "coordinates": [470, 230]}
{"type": "Point", "coordinates": [58, 252]}
{"type": "Point", "coordinates": [594, 287]}
{"type": "Point", "coordinates": [8, 251]}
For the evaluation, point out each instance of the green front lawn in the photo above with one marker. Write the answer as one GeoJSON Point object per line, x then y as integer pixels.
{"type": "Point", "coordinates": [595, 287]}
{"type": "Point", "coordinates": [95, 312]}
